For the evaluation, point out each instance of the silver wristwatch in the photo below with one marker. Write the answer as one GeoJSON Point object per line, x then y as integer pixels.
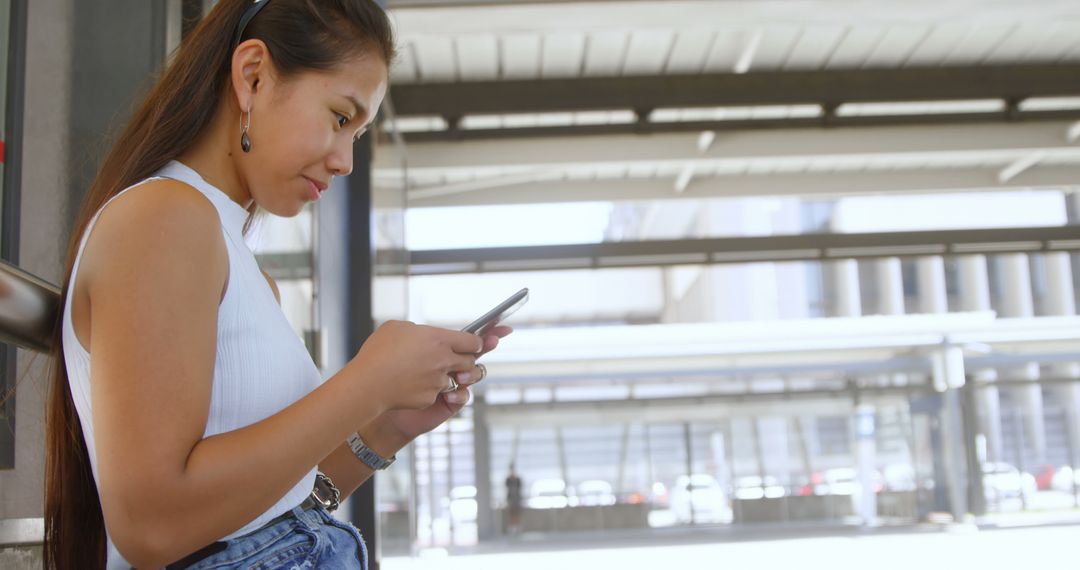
{"type": "Point", "coordinates": [364, 453]}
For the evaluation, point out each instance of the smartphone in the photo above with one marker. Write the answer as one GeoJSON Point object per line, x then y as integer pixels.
{"type": "Point", "coordinates": [501, 311]}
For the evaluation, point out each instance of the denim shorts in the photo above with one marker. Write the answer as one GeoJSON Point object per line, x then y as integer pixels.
{"type": "Point", "coordinates": [305, 539]}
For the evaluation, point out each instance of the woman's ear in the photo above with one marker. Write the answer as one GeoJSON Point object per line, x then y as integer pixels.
{"type": "Point", "coordinates": [250, 71]}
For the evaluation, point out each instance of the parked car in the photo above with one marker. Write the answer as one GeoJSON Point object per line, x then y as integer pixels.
{"type": "Point", "coordinates": [463, 504]}
{"type": "Point", "coordinates": [699, 498]}
{"type": "Point", "coordinates": [595, 492]}
{"type": "Point", "coordinates": [548, 494]}
{"type": "Point", "coordinates": [1003, 481]}
{"type": "Point", "coordinates": [754, 487]}
{"type": "Point", "coordinates": [1064, 478]}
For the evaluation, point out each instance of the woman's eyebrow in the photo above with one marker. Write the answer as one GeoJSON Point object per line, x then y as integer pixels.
{"type": "Point", "coordinates": [360, 109]}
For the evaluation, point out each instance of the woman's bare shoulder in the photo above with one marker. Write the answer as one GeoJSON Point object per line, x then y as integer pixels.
{"type": "Point", "coordinates": [159, 222]}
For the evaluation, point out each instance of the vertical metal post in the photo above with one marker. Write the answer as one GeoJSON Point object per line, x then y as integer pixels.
{"type": "Point", "coordinates": [359, 254]}
{"type": "Point", "coordinates": [689, 469]}
{"type": "Point", "coordinates": [12, 209]}
{"type": "Point", "coordinates": [970, 414]}
{"type": "Point", "coordinates": [450, 476]}
{"type": "Point", "coordinates": [485, 524]}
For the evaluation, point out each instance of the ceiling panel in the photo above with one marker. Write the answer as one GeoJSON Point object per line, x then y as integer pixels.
{"type": "Point", "coordinates": [727, 44]}
{"type": "Point", "coordinates": [477, 57]}
{"type": "Point", "coordinates": [691, 50]}
{"type": "Point", "coordinates": [941, 40]}
{"type": "Point", "coordinates": [814, 47]}
{"type": "Point", "coordinates": [1015, 46]}
{"type": "Point", "coordinates": [776, 45]}
{"type": "Point", "coordinates": [404, 70]}
{"type": "Point", "coordinates": [435, 58]}
{"type": "Point", "coordinates": [520, 54]}
{"type": "Point", "coordinates": [604, 53]}
{"type": "Point", "coordinates": [978, 43]}
{"type": "Point", "coordinates": [1057, 41]}
{"type": "Point", "coordinates": [896, 46]}
{"type": "Point", "coordinates": [648, 52]}
{"type": "Point", "coordinates": [857, 44]}
{"type": "Point", "coordinates": [562, 55]}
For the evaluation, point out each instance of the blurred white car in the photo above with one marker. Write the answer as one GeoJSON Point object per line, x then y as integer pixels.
{"type": "Point", "coordinates": [1003, 481]}
{"type": "Point", "coordinates": [548, 494]}
{"type": "Point", "coordinates": [1064, 478]}
{"type": "Point", "coordinates": [463, 503]}
{"type": "Point", "coordinates": [595, 492]}
{"type": "Point", "coordinates": [754, 487]}
{"type": "Point", "coordinates": [899, 477]}
{"type": "Point", "coordinates": [699, 498]}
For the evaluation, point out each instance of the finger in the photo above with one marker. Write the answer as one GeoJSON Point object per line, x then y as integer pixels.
{"type": "Point", "coordinates": [464, 343]}
{"type": "Point", "coordinates": [458, 398]}
{"type": "Point", "coordinates": [461, 363]}
{"type": "Point", "coordinates": [491, 338]}
{"type": "Point", "coordinates": [501, 331]}
{"type": "Point", "coordinates": [478, 373]}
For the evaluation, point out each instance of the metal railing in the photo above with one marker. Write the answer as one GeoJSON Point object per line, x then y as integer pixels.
{"type": "Point", "coordinates": [29, 307]}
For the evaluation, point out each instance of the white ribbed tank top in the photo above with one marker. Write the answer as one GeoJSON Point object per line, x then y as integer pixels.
{"type": "Point", "coordinates": [261, 366]}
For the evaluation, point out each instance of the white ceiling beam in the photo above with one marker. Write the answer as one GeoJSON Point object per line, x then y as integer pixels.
{"type": "Point", "coordinates": [735, 144]}
{"type": "Point", "coordinates": [1020, 165]}
{"type": "Point", "coordinates": [803, 184]}
{"type": "Point", "coordinates": [556, 17]}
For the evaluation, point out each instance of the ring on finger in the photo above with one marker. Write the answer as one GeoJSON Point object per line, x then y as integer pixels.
{"type": "Point", "coordinates": [483, 372]}
{"type": "Point", "coordinates": [453, 385]}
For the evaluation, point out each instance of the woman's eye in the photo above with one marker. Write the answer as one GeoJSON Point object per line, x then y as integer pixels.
{"type": "Point", "coordinates": [341, 119]}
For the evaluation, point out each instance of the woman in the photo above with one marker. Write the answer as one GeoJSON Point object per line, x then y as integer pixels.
{"type": "Point", "coordinates": [187, 423]}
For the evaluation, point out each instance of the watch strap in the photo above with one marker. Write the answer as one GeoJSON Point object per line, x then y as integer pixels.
{"type": "Point", "coordinates": [364, 453]}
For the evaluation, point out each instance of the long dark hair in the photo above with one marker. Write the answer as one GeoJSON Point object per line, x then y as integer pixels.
{"type": "Point", "coordinates": [301, 35]}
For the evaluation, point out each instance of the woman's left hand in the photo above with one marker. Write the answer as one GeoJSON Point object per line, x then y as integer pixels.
{"type": "Point", "coordinates": [403, 426]}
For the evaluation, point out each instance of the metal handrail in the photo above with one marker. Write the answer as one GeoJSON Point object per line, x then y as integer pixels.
{"type": "Point", "coordinates": [29, 307]}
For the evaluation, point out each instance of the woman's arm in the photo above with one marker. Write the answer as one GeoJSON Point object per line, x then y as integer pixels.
{"type": "Point", "coordinates": [155, 266]}
{"type": "Point", "coordinates": [347, 471]}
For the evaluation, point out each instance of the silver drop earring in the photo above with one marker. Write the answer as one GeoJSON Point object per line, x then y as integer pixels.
{"type": "Point", "coordinates": [245, 140]}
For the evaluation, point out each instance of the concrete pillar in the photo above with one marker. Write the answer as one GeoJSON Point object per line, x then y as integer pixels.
{"type": "Point", "coordinates": [890, 286]}
{"type": "Point", "coordinates": [949, 379]}
{"type": "Point", "coordinates": [933, 295]}
{"type": "Point", "coordinates": [1060, 300]}
{"type": "Point", "coordinates": [1017, 303]}
{"type": "Point", "coordinates": [866, 458]}
{"type": "Point", "coordinates": [485, 514]}
{"type": "Point", "coordinates": [975, 296]}
{"type": "Point", "coordinates": [846, 282]}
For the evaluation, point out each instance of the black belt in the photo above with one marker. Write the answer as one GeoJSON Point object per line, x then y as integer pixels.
{"type": "Point", "coordinates": [309, 503]}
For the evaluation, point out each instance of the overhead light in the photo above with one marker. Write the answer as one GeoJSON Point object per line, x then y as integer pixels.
{"type": "Point", "coordinates": [745, 113]}
{"type": "Point", "coordinates": [418, 124]}
{"type": "Point", "coordinates": [920, 108]}
{"type": "Point", "coordinates": [1050, 104]}
{"type": "Point", "coordinates": [533, 120]}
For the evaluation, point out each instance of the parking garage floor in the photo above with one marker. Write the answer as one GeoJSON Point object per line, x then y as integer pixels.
{"type": "Point", "coordinates": [996, 542]}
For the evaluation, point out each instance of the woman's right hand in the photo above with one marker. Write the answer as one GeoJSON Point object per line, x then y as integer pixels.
{"type": "Point", "coordinates": [407, 365]}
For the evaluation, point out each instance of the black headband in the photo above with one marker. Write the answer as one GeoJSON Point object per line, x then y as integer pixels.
{"type": "Point", "coordinates": [246, 19]}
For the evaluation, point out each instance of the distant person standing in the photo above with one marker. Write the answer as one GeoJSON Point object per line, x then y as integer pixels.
{"type": "Point", "coordinates": [513, 501]}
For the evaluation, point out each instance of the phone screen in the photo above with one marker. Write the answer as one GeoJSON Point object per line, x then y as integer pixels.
{"type": "Point", "coordinates": [498, 314]}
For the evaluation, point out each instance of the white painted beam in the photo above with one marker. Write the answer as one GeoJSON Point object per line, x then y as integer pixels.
{"type": "Point", "coordinates": [817, 184]}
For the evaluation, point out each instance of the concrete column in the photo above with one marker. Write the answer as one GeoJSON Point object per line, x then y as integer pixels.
{"type": "Point", "coordinates": [890, 286]}
{"type": "Point", "coordinates": [949, 379]}
{"type": "Point", "coordinates": [975, 296]}
{"type": "Point", "coordinates": [1061, 301]}
{"type": "Point", "coordinates": [1017, 303]}
{"type": "Point", "coordinates": [866, 457]}
{"type": "Point", "coordinates": [933, 296]}
{"type": "Point", "coordinates": [846, 282]}
{"type": "Point", "coordinates": [485, 514]}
